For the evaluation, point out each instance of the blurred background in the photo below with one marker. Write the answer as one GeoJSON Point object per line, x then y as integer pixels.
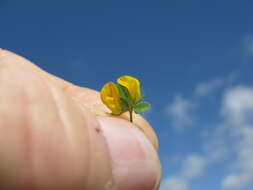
{"type": "Point", "coordinates": [194, 59]}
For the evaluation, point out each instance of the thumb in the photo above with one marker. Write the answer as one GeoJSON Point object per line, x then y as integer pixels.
{"type": "Point", "coordinates": [49, 141]}
{"type": "Point", "coordinates": [135, 164]}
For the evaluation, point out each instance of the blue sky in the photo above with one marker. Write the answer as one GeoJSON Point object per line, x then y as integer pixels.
{"type": "Point", "coordinates": [194, 59]}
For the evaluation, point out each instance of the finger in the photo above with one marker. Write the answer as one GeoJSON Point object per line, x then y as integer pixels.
{"type": "Point", "coordinates": [13, 60]}
{"type": "Point", "coordinates": [49, 142]}
{"type": "Point", "coordinates": [86, 97]}
{"type": "Point", "coordinates": [91, 100]}
{"type": "Point", "coordinates": [135, 163]}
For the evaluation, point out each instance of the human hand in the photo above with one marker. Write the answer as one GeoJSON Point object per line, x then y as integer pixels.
{"type": "Point", "coordinates": [55, 135]}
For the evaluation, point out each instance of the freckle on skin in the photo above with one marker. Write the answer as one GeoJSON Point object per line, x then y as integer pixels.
{"type": "Point", "coordinates": [98, 130]}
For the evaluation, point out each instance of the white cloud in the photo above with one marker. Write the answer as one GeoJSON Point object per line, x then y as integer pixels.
{"type": "Point", "coordinates": [174, 183]}
{"type": "Point", "coordinates": [204, 88]}
{"type": "Point", "coordinates": [180, 112]}
{"type": "Point", "coordinates": [207, 87]}
{"type": "Point", "coordinates": [247, 49]}
{"type": "Point", "coordinates": [242, 173]}
{"type": "Point", "coordinates": [238, 104]}
{"type": "Point", "coordinates": [237, 111]}
{"type": "Point", "coordinates": [248, 44]}
{"type": "Point", "coordinates": [215, 145]}
{"type": "Point", "coordinates": [233, 135]}
{"type": "Point", "coordinates": [193, 166]}
{"type": "Point", "coordinates": [236, 181]}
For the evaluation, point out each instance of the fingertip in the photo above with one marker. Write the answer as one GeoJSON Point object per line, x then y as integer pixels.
{"type": "Point", "coordinates": [91, 99]}
{"type": "Point", "coordinates": [145, 127]}
{"type": "Point", "coordinates": [134, 160]}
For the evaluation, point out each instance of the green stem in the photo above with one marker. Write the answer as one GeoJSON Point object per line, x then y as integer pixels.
{"type": "Point", "coordinates": [131, 115]}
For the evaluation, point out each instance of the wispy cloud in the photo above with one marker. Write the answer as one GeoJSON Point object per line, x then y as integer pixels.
{"type": "Point", "coordinates": [174, 183]}
{"type": "Point", "coordinates": [180, 111]}
{"type": "Point", "coordinates": [237, 111]}
{"type": "Point", "coordinates": [207, 87]}
{"type": "Point", "coordinates": [231, 135]}
{"type": "Point", "coordinates": [238, 105]}
{"type": "Point", "coordinates": [204, 88]}
{"type": "Point", "coordinates": [192, 167]}
{"type": "Point", "coordinates": [247, 49]}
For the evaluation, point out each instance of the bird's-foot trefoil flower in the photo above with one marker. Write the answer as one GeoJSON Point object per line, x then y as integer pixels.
{"type": "Point", "coordinates": [133, 87]}
{"type": "Point", "coordinates": [110, 97]}
{"type": "Point", "coordinates": [124, 96]}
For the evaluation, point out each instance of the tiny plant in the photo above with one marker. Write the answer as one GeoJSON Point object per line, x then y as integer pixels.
{"type": "Point", "coordinates": [124, 96]}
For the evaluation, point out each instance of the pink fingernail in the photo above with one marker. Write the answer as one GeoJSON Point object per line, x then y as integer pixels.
{"type": "Point", "coordinates": [134, 160]}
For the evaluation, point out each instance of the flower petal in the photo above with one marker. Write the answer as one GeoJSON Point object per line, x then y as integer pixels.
{"type": "Point", "coordinates": [110, 97]}
{"type": "Point", "coordinates": [132, 85]}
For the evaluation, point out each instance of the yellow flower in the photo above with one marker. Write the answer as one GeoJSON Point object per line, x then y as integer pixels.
{"type": "Point", "coordinates": [110, 97]}
{"type": "Point", "coordinates": [133, 86]}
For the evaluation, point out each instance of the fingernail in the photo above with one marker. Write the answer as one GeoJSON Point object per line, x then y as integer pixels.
{"type": "Point", "coordinates": [134, 160]}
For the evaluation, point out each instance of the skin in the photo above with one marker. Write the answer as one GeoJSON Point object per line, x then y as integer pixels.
{"type": "Point", "coordinates": [55, 135]}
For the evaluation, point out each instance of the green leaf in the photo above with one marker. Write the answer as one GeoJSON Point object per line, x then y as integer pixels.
{"type": "Point", "coordinates": [122, 92]}
{"type": "Point", "coordinates": [141, 107]}
{"type": "Point", "coordinates": [124, 102]}
{"type": "Point", "coordinates": [124, 96]}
